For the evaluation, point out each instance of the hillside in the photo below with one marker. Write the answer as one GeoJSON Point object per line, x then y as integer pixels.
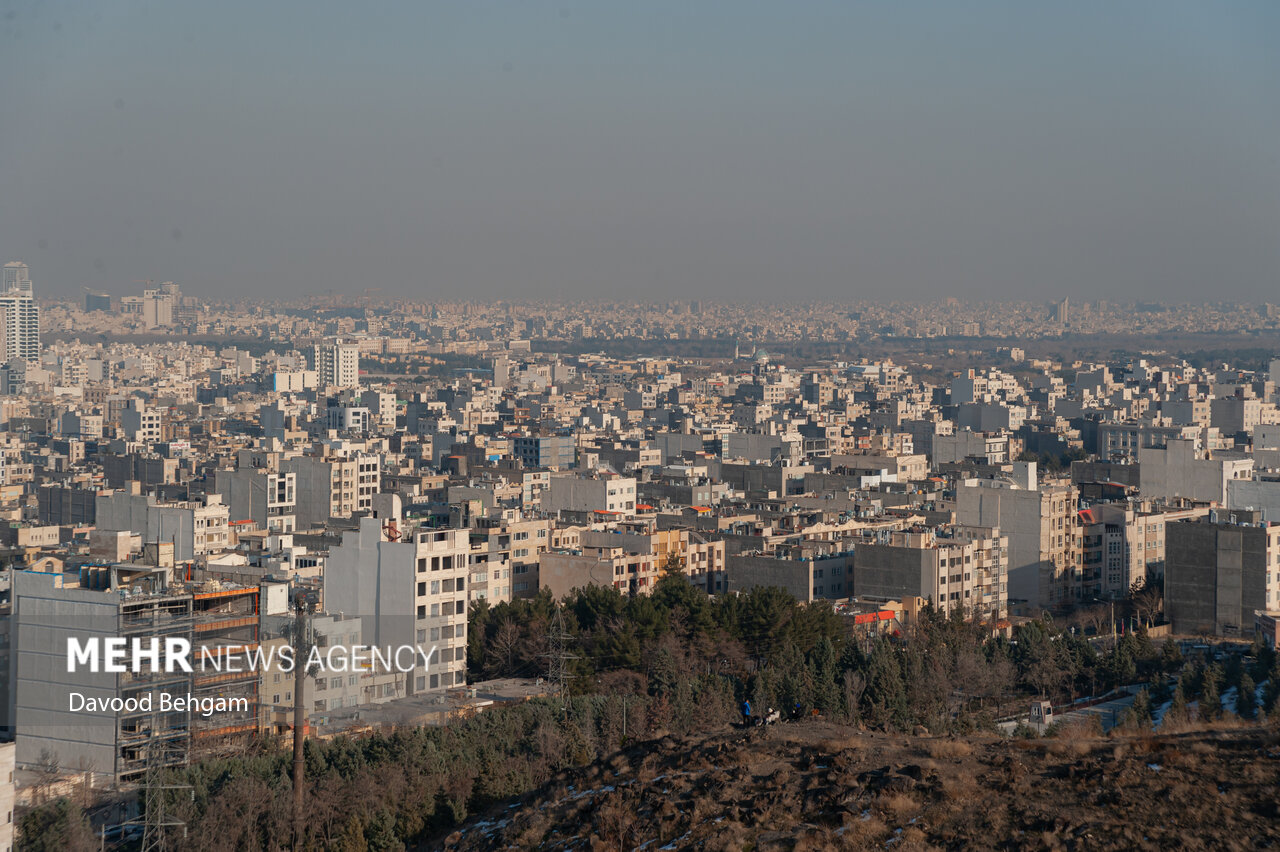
{"type": "Point", "coordinates": [817, 785]}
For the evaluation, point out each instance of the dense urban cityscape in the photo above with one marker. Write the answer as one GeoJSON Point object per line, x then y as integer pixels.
{"type": "Point", "coordinates": [465, 481]}
{"type": "Point", "coordinates": [622, 427]}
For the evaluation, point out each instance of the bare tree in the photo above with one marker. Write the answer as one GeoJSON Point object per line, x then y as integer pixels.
{"type": "Point", "coordinates": [48, 769]}
{"type": "Point", "coordinates": [1147, 599]}
{"type": "Point", "coordinates": [1099, 618]}
{"type": "Point", "coordinates": [854, 685]}
{"type": "Point", "coordinates": [506, 646]}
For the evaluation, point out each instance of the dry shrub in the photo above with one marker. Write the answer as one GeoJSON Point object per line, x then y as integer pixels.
{"type": "Point", "coordinates": [838, 744]}
{"type": "Point", "coordinates": [897, 805]}
{"type": "Point", "coordinates": [949, 748]}
{"type": "Point", "coordinates": [961, 784]}
{"type": "Point", "coordinates": [863, 833]}
{"type": "Point", "coordinates": [912, 839]}
{"type": "Point", "coordinates": [1070, 743]}
{"type": "Point", "coordinates": [1050, 840]}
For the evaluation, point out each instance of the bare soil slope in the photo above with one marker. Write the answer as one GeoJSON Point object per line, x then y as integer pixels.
{"type": "Point", "coordinates": [816, 785]}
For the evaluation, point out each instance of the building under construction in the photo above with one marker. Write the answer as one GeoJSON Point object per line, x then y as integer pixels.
{"type": "Point", "coordinates": [113, 723]}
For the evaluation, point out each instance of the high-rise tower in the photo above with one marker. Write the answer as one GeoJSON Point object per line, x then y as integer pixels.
{"type": "Point", "coordinates": [19, 315]}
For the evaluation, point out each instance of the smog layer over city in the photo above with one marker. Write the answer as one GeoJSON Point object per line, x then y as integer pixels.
{"type": "Point", "coordinates": [711, 426]}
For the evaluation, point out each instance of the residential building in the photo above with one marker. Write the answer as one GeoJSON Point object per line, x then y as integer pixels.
{"type": "Point", "coordinates": [337, 363]}
{"type": "Point", "coordinates": [19, 315]}
{"type": "Point", "coordinates": [266, 497]}
{"type": "Point", "coordinates": [1218, 573]}
{"type": "Point", "coordinates": [409, 585]}
{"type": "Point", "coordinates": [1045, 568]}
{"type": "Point", "coordinates": [129, 601]}
{"type": "Point", "coordinates": [602, 495]}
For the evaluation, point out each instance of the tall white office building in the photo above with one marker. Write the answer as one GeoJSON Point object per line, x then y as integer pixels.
{"type": "Point", "coordinates": [19, 315]}
{"type": "Point", "coordinates": [337, 363]}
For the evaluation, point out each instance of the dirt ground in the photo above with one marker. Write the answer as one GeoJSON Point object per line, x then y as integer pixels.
{"type": "Point", "coordinates": [815, 785]}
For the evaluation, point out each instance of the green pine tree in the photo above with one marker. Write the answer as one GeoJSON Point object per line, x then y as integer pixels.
{"type": "Point", "coordinates": [1170, 657]}
{"type": "Point", "coordinates": [1210, 697]}
{"type": "Point", "coordinates": [1271, 695]}
{"type": "Point", "coordinates": [1177, 712]}
{"type": "Point", "coordinates": [1141, 708]}
{"type": "Point", "coordinates": [1247, 698]}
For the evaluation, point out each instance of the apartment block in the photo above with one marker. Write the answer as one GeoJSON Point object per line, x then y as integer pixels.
{"type": "Point", "coordinates": [1219, 573]}
{"type": "Point", "coordinates": [1045, 568]}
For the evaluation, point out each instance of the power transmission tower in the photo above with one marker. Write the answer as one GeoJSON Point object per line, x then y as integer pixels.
{"type": "Point", "coordinates": [559, 658]}
{"type": "Point", "coordinates": [158, 825]}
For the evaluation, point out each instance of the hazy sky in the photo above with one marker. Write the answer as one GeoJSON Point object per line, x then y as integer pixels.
{"type": "Point", "coordinates": [645, 149]}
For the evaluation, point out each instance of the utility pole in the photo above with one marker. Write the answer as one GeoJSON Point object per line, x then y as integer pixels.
{"type": "Point", "coordinates": [301, 648]}
{"type": "Point", "coordinates": [1112, 602]}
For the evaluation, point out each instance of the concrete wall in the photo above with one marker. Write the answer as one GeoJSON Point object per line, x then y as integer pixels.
{"type": "Point", "coordinates": [1177, 472]}
{"type": "Point", "coordinates": [1017, 514]}
{"type": "Point", "coordinates": [1248, 494]}
{"type": "Point", "coordinates": [561, 573]}
{"type": "Point", "coordinates": [372, 578]}
{"type": "Point", "coordinates": [44, 617]}
{"type": "Point", "coordinates": [884, 571]}
{"type": "Point", "coordinates": [314, 494]}
{"type": "Point", "coordinates": [746, 572]}
{"type": "Point", "coordinates": [7, 796]}
{"type": "Point", "coordinates": [1215, 577]}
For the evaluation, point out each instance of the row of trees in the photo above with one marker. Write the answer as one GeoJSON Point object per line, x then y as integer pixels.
{"type": "Point", "coordinates": [676, 661]}
{"type": "Point", "coordinates": [777, 652]}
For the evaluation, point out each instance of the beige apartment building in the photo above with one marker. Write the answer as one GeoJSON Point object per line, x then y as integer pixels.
{"type": "Point", "coordinates": [962, 571]}
{"type": "Point", "coordinates": [1122, 543]}
{"type": "Point", "coordinates": [1040, 521]}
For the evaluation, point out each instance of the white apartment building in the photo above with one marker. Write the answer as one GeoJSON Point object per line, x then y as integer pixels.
{"type": "Point", "coordinates": [334, 486]}
{"type": "Point", "coordinates": [142, 423]}
{"type": "Point", "coordinates": [269, 498]}
{"type": "Point", "coordinates": [409, 585]}
{"type": "Point", "coordinates": [613, 495]}
{"type": "Point", "coordinates": [337, 363]}
{"type": "Point", "coordinates": [19, 315]}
